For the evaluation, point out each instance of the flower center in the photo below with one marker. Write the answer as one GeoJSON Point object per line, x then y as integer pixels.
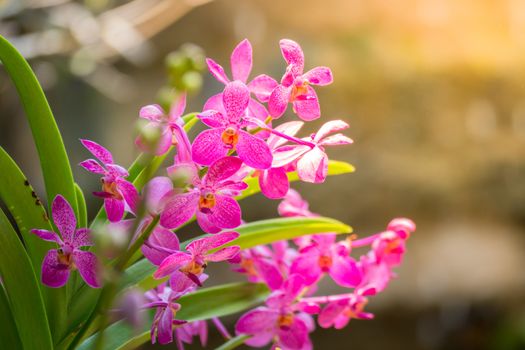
{"type": "Point", "coordinates": [111, 188]}
{"type": "Point", "coordinates": [354, 310]}
{"type": "Point", "coordinates": [298, 91]}
{"type": "Point", "coordinates": [248, 265]}
{"type": "Point", "coordinates": [325, 262]}
{"type": "Point", "coordinates": [65, 258]}
{"type": "Point", "coordinates": [193, 268]}
{"type": "Point", "coordinates": [230, 137]}
{"type": "Point", "coordinates": [206, 202]}
{"type": "Point", "coordinates": [285, 321]}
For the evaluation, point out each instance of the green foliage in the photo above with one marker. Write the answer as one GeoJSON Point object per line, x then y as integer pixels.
{"type": "Point", "coordinates": [22, 289]}
{"type": "Point", "coordinates": [56, 169]}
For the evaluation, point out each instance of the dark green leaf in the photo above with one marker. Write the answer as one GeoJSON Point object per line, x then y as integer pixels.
{"type": "Point", "coordinates": [56, 169]}
{"type": "Point", "coordinates": [9, 338]}
{"type": "Point", "coordinates": [23, 292]}
{"type": "Point", "coordinates": [20, 199]}
{"type": "Point", "coordinates": [234, 342]}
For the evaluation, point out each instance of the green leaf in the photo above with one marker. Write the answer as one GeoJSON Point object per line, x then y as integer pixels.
{"type": "Point", "coordinates": [82, 209]}
{"type": "Point", "coordinates": [203, 304]}
{"type": "Point", "coordinates": [19, 197]}
{"type": "Point", "coordinates": [56, 169]}
{"type": "Point", "coordinates": [23, 292]}
{"type": "Point", "coordinates": [272, 230]}
{"type": "Point", "coordinates": [234, 342]}
{"type": "Point", "coordinates": [8, 332]}
{"type": "Point", "coordinates": [335, 167]}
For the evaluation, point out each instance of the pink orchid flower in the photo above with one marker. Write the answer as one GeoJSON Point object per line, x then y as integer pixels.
{"type": "Point", "coordinates": [338, 313]}
{"type": "Point", "coordinates": [294, 205]}
{"type": "Point", "coordinates": [227, 135]}
{"type": "Point", "coordinates": [241, 66]}
{"type": "Point", "coordinates": [59, 262]}
{"type": "Point", "coordinates": [281, 320]}
{"type": "Point", "coordinates": [163, 299]}
{"type": "Point", "coordinates": [119, 195]}
{"type": "Point", "coordinates": [274, 182]}
{"type": "Point", "coordinates": [259, 265]}
{"type": "Point", "coordinates": [193, 262]}
{"type": "Point", "coordinates": [210, 199]}
{"type": "Point", "coordinates": [309, 155]}
{"type": "Point", "coordinates": [389, 246]}
{"type": "Point", "coordinates": [325, 255]}
{"type": "Point", "coordinates": [170, 127]}
{"type": "Point", "coordinates": [187, 331]}
{"type": "Point", "coordinates": [295, 86]}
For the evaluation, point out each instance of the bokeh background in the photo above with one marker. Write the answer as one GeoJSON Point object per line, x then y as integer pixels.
{"type": "Point", "coordinates": [434, 91]}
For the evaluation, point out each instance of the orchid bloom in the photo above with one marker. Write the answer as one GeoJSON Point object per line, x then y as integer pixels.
{"type": "Point", "coordinates": [282, 320]}
{"type": "Point", "coordinates": [309, 155]}
{"type": "Point", "coordinates": [294, 205]}
{"type": "Point", "coordinates": [390, 245]}
{"type": "Point", "coordinates": [210, 199]}
{"type": "Point", "coordinates": [227, 135]}
{"type": "Point", "coordinates": [241, 62]}
{"type": "Point", "coordinates": [169, 126]}
{"type": "Point", "coordinates": [325, 255]}
{"type": "Point", "coordinates": [274, 182]}
{"type": "Point", "coordinates": [339, 312]}
{"type": "Point", "coordinates": [193, 262]}
{"type": "Point", "coordinates": [59, 262]}
{"type": "Point", "coordinates": [163, 299]}
{"type": "Point", "coordinates": [295, 86]}
{"type": "Point", "coordinates": [187, 331]}
{"type": "Point", "coordinates": [119, 195]}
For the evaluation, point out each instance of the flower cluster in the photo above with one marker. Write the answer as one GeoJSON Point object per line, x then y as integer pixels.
{"type": "Point", "coordinates": [240, 142]}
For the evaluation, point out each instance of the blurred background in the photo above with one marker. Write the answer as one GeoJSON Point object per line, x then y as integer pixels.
{"type": "Point", "coordinates": [434, 91]}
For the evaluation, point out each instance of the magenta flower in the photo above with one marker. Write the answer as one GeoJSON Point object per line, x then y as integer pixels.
{"type": "Point", "coordinates": [308, 154]}
{"type": "Point", "coordinates": [274, 182]}
{"type": "Point", "coordinates": [227, 135]}
{"type": "Point", "coordinates": [259, 265]}
{"type": "Point", "coordinates": [338, 313]}
{"type": "Point", "coordinates": [325, 255]}
{"type": "Point", "coordinates": [294, 205]}
{"type": "Point", "coordinates": [389, 246]}
{"type": "Point", "coordinates": [59, 262]}
{"type": "Point", "coordinates": [210, 198]}
{"type": "Point", "coordinates": [163, 299]}
{"type": "Point", "coordinates": [281, 320]}
{"type": "Point", "coordinates": [193, 262]}
{"type": "Point", "coordinates": [119, 195]}
{"type": "Point", "coordinates": [170, 127]}
{"type": "Point", "coordinates": [241, 67]}
{"type": "Point", "coordinates": [187, 331]}
{"type": "Point", "coordinates": [295, 86]}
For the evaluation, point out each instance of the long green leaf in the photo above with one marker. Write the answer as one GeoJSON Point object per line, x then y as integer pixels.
{"type": "Point", "coordinates": [82, 209]}
{"type": "Point", "coordinates": [234, 342]}
{"type": "Point", "coordinates": [20, 199]}
{"type": "Point", "coordinates": [203, 304]}
{"type": "Point", "coordinates": [54, 162]}
{"type": "Point", "coordinates": [9, 338]}
{"type": "Point", "coordinates": [335, 167]}
{"type": "Point", "coordinates": [22, 290]}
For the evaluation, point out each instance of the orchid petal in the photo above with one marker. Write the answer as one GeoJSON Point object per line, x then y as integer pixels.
{"type": "Point", "coordinates": [92, 166]}
{"type": "Point", "coordinates": [179, 209]}
{"type": "Point", "coordinates": [295, 336]}
{"type": "Point", "coordinates": [98, 151]}
{"type": "Point", "coordinates": [335, 140]}
{"type": "Point", "coordinates": [262, 86]}
{"type": "Point", "coordinates": [278, 101]}
{"type": "Point", "coordinates": [82, 238]}
{"type": "Point", "coordinates": [202, 245]}
{"type": "Point", "coordinates": [223, 254]}
{"type": "Point", "coordinates": [330, 127]}
{"type": "Point", "coordinates": [153, 113]}
{"type": "Point", "coordinates": [235, 99]}
{"type": "Point", "coordinates": [345, 272]}
{"type": "Point", "coordinates": [160, 237]}
{"type": "Point", "coordinates": [222, 169]}
{"type": "Point", "coordinates": [253, 151]}
{"type": "Point", "coordinates": [241, 61]}
{"type": "Point", "coordinates": [130, 194]}
{"type": "Point", "coordinates": [205, 224]}
{"type": "Point", "coordinates": [274, 183]}
{"type": "Point", "coordinates": [293, 54]}
{"type": "Point", "coordinates": [172, 263]}
{"type": "Point", "coordinates": [86, 262]}
{"type": "Point", "coordinates": [54, 274]}
{"type": "Point", "coordinates": [155, 189]}
{"type": "Point", "coordinates": [226, 213]}
{"type": "Point", "coordinates": [289, 129]}
{"type": "Point", "coordinates": [217, 71]}
{"type": "Point", "coordinates": [165, 326]}
{"type": "Point", "coordinates": [260, 323]}
{"type": "Point", "coordinates": [307, 106]}
{"type": "Point", "coordinates": [287, 154]}
{"type": "Point", "coordinates": [319, 76]}
{"type": "Point", "coordinates": [114, 209]}
{"type": "Point", "coordinates": [208, 147]}
{"type": "Point", "coordinates": [64, 217]}
{"type": "Point", "coordinates": [177, 107]}
{"type": "Point", "coordinates": [313, 166]}
{"type": "Point", "coordinates": [46, 235]}
{"type": "Point", "coordinates": [331, 312]}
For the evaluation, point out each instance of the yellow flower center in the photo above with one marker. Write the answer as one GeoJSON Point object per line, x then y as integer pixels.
{"type": "Point", "coordinates": [206, 201]}
{"type": "Point", "coordinates": [230, 137]}
{"type": "Point", "coordinates": [111, 188]}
